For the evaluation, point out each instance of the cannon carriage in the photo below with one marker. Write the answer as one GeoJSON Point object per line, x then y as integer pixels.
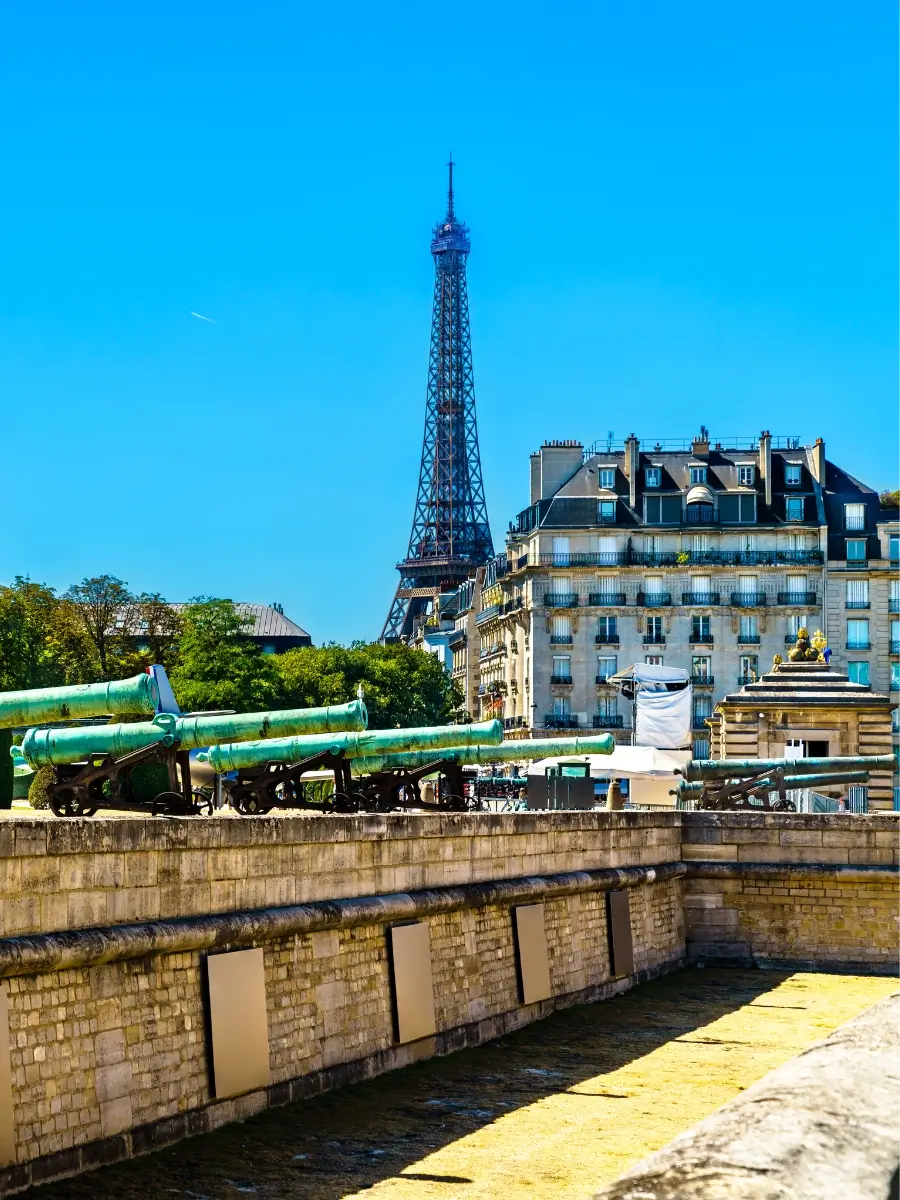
{"type": "Point", "coordinates": [762, 785]}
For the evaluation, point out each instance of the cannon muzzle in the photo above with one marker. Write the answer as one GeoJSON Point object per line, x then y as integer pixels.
{"type": "Point", "coordinates": [139, 694]}
{"type": "Point", "coordinates": [354, 745]}
{"type": "Point", "coordinates": [54, 747]}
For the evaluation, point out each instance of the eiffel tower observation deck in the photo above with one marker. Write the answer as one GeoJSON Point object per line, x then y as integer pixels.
{"type": "Point", "coordinates": [450, 531]}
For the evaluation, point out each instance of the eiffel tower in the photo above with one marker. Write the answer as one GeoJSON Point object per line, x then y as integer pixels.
{"type": "Point", "coordinates": [450, 532]}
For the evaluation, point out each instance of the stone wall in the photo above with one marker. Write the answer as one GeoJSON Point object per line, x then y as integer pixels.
{"type": "Point", "coordinates": [780, 888]}
{"type": "Point", "coordinates": [106, 926]}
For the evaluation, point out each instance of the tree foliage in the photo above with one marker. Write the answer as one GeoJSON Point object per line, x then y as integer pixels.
{"type": "Point", "coordinates": [29, 655]}
{"type": "Point", "coordinates": [218, 665]}
{"type": "Point", "coordinates": [402, 686]}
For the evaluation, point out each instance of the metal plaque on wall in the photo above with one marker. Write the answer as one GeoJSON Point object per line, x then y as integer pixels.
{"type": "Point", "coordinates": [618, 927]}
{"type": "Point", "coordinates": [531, 953]}
{"type": "Point", "coordinates": [412, 983]}
{"type": "Point", "coordinates": [238, 1025]}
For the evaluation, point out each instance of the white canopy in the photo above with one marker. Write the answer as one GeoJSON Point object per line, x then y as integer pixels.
{"type": "Point", "coordinates": [625, 762]}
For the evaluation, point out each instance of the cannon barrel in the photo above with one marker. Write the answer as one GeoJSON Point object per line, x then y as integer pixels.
{"type": "Point", "coordinates": [530, 748]}
{"type": "Point", "coordinates": [54, 747]}
{"type": "Point", "coordinates": [139, 694]}
{"type": "Point", "coordinates": [353, 745]}
{"type": "Point", "coordinates": [824, 779]}
{"type": "Point", "coordinates": [731, 768]}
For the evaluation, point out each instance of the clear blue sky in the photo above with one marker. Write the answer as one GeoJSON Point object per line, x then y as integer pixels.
{"type": "Point", "coordinates": [679, 213]}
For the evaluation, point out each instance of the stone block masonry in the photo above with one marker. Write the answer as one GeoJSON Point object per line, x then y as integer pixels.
{"type": "Point", "coordinates": [106, 926]}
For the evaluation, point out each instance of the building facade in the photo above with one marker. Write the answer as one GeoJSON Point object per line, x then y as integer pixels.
{"type": "Point", "coordinates": [706, 555]}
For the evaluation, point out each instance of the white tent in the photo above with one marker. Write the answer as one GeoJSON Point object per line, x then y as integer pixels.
{"type": "Point", "coordinates": [651, 772]}
{"type": "Point", "coordinates": [663, 704]}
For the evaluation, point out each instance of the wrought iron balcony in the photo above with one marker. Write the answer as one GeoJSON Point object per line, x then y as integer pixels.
{"type": "Point", "coordinates": [722, 558]}
{"type": "Point", "coordinates": [698, 721]}
{"type": "Point", "coordinates": [487, 613]}
{"type": "Point", "coordinates": [560, 639]}
{"type": "Point", "coordinates": [654, 639]}
{"type": "Point", "coordinates": [806, 598]}
{"type": "Point", "coordinates": [601, 680]}
{"type": "Point", "coordinates": [860, 604]}
{"type": "Point", "coordinates": [701, 639]}
{"type": "Point", "coordinates": [703, 680]}
{"type": "Point", "coordinates": [512, 605]}
{"type": "Point", "coordinates": [706, 599]}
{"type": "Point", "coordinates": [895, 647]}
{"type": "Point", "coordinates": [748, 599]}
{"type": "Point", "coordinates": [654, 599]}
{"type": "Point", "coordinates": [560, 600]}
{"type": "Point", "coordinates": [742, 679]}
{"type": "Point", "coordinates": [608, 721]}
{"type": "Point", "coordinates": [859, 564]}
{"type": "Point", "coordinates": [606, 639]}
{"type": "Point", "coordinates": [866, 645]}
{"type": "Point", "coordinates": [561, 679]}
{"type": "Point", "coordinates": [894, 604]}
{"type": "Point", "coordinates": [613, 558]}
{"type": "Point", "coordinates": [606, 599]}
{"type": "Point", "coordinates": [748, 639]}
{"type": "Point", "coordinates": [553, 722]}
{"type": "Point", "coordinates": [700, 514]}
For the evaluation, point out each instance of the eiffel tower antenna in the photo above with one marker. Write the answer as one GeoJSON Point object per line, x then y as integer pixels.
{"type": "Point", "coordinates": [450, 531]}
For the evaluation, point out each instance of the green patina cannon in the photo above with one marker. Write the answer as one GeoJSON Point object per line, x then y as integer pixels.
{"type": "Point", "coordinates": [761, 784]}
{"type": "Point", "coordinates": [94, 766]}
{"type": "Point", "coordinates": [384, 781]}
{"type": "Point", "coordinates": [134, 696]}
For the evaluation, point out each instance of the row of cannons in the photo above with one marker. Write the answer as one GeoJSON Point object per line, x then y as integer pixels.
{"type": "Point", "coordinates": [258, 762]}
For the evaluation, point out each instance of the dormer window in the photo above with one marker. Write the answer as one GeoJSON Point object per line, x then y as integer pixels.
{"type": "Point", "coordinates": [607, 477]}
{"type": "Point", "coordinates": [651, 477]}
{"type": "Point", "coordinates": [698, 475]}
{"type": "Point", "coordinates": [746, 476]}
{"type": "Point", "coordinates": [792, 474]}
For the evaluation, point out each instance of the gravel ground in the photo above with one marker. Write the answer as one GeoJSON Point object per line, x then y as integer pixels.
{"type": "Point", "coordinates": [548, 1113]}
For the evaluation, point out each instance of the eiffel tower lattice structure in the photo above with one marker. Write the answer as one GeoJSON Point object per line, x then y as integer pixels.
{"type": "Point", "coordinates": [450, 531]}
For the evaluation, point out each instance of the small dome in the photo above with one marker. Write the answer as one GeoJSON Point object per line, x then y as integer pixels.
{"type": "Point", "coordinates": [700, 495]}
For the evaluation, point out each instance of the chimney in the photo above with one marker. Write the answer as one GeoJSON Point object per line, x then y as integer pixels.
{"type": "Point", "coordinates": [632, 458]}
{"type": "Point", "coordinates": [817, 461]}
{"type": "Point", "coordinates": [535, 491]}
{"type": "Point", "coordinates": [700, 444]}
{"type": "Point", "coordinates": [559, 462]}
{"type": "Point", "coordinates": [765, 464]}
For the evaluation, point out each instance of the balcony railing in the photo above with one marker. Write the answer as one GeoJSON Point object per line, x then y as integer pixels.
{"type": "Point", "coordinates": [859, 564]}
{"type": "Point", "coordinates": [560, 639]}
{"type": "Point", "coordinates": [601, 680]}
{"type": "Point", "coordinates": [654, 599]}
{"type": "Point", "coordinates": [703, 680]}
{"type": "Point", "coordinates": [614, 558]}
{"type": "Point", "coordinates": [895, 647]}
{"type": "Point", "coordinates": [560, 600]}
{"type": "Point", "coordinates": [706, 599]}
{"type": "Point", "coordinates": [560, 679]}
{"type": "Point", "coordinates": [606, 599]}
{"type": "Point", "coordinates": [748, 639]}
{"type": "Point", "coordinates": [748, 599]}
{"type": "Point", "coordinates": [512, 605]}
{"type": "Point", "coordinates": [894, 604]}
{"type": "Point", "coordinates": [701, 639]}
{"type": "Point", "coordinates": [654, 639]}
{"type": "Point", "coordinates": [606, 639]}
{"type": "Point", "coordinates": [553, 722]}
{"type": "Point", "coordinates": [742, 679]}
{"type": "Point", "coordinates": [858, 604]}
{"type": "Point", "coordinates": [608, 721]}
{"type": "Point", "coordinates": [700, 514]}
{"type": "Point", "coordinates": [808, 598]}
{"type": "Point", "coordinates": [698, 721]}
{"type": "Point", "coordinates": [867, 645]}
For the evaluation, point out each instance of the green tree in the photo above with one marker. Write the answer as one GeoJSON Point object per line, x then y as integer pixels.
{"type": "Point", "coordinates": [29, 614]}
{"type": "Point", "coordinates": [402, 686]}
{"type": "Point", "coordinates": [105, 610]}
{"type": "Point", "coordinates": [218, 665]}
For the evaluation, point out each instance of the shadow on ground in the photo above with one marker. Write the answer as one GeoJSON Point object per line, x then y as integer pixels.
{"type": "Point", "coordinates": [348, 1140]}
